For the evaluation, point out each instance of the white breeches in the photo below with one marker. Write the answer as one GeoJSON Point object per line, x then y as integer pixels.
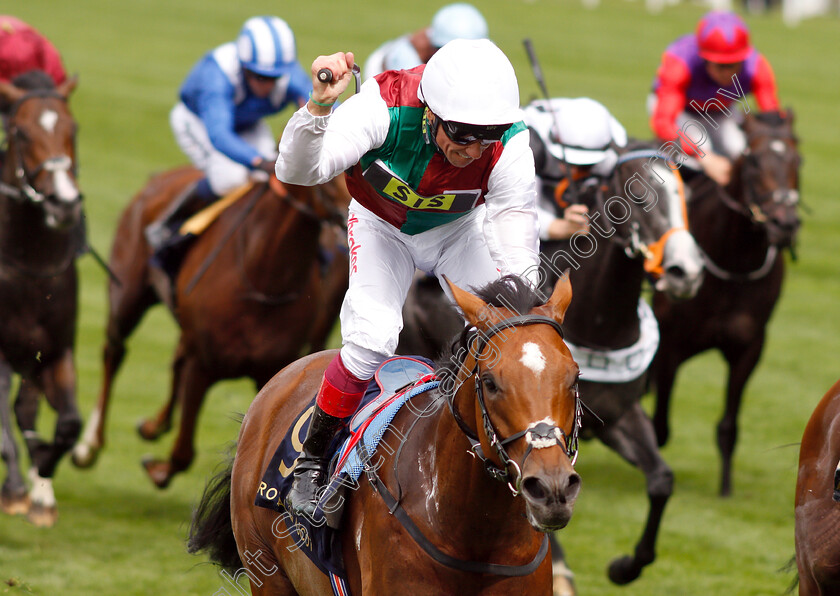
{"type": "Point", "coordinates": [382, 264]}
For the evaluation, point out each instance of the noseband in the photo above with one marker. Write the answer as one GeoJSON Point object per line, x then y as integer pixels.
{"type": "Point", "coordinates": [539, 435]}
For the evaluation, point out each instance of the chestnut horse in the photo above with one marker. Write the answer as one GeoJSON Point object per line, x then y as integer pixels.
{"type": "Point", "coordinates": [40, 238]}
{"type": "Point", "coordinates": [520, 406]}
{"type": "Point", "coordinates": [638, 231]}
{"type": "Point", "coordinates": [742, 231]}
{"type": "Point", "coordinates": [250, 296]}
{"type": "Point", "coordinates": [817, 503]}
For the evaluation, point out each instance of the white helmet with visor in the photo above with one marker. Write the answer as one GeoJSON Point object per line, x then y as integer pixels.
{"type": "Point", "coordinates": [471, 82]}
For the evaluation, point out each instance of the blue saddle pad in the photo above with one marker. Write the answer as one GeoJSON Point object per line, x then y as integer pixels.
{"type": "Point", "coordinates": [318, 541]}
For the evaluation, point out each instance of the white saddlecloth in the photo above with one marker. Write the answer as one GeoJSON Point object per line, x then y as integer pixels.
{"type": "Point", "coordinates": [625, 364]}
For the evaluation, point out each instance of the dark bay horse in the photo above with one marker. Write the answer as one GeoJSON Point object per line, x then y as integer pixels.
{"type": "Point", "coordinates": [638, 232]}
{"type": "Point", "coordinates": [40, 237]}
{"type": "Point", "coordinates": [523, 400]}
{"type": "Point", "coordinates": [817, 504]}
{"type": "Point", "coordinates": [742, 231]}
{"type": "Point", "coordinates": [250, 296]}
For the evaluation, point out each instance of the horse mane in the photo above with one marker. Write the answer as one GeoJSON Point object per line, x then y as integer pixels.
{"type": "Point", "coordinates": [32, 80]}
{"type": "Point", "coordinates": [773, 118]}
{"type": "Point", "coordinates": [509, 291]}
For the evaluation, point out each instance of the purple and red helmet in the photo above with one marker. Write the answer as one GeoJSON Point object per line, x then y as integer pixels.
{"type": "Point", "coordinates": [723, 38]}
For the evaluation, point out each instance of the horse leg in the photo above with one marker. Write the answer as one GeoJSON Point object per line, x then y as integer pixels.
{"type": "Point", "coordinates": [59, 384]}
{"type": "Point", "coordinates": [741, 365]}
{"type": "Point", "coordinates": [13, 498]}
{"type": "Point", "coordinates": [665, 369]}
{"type": "Point", "coordinates": [193, 383]}
{"type": "Point", "coordinates": [633, 438]}
{"type": "Point", "coordinates": [151, 429]}
{"type": "Point", "coordinates": [563, 584]}
{"type": "Point", "coordinates": [129, 303]}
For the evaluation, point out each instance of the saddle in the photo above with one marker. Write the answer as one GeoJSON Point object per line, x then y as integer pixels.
{"type": "Point", "coordinates": [397, 380]}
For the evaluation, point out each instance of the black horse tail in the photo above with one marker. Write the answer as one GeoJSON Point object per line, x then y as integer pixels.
{"type": "Point", "coordinates": [211, 530]}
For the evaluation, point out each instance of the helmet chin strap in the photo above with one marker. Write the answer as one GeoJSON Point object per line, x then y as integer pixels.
{"type": "Point", "coordinates": [430, 131]}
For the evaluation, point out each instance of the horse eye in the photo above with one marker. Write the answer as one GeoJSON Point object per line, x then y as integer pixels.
{"type": "Point", "coordinates": [490, 384]}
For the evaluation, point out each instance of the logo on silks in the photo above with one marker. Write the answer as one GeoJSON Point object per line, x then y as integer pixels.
{"type": "Point", "coordinates": [387, 183]}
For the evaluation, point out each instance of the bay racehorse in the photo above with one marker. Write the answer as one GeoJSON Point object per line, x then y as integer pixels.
{"type": "Point", "coordinates": [40, 238]}
{"type": "Point", "coordinates": [520, 405]}
{"type": "Point", "coordinates": [817, 503]}
{"type": "Point", "coordinates": [742, 231]}
{"type": "Point", "coordinates": [252, 293]}
{"type": "Point", "coordinates": [638, 232]}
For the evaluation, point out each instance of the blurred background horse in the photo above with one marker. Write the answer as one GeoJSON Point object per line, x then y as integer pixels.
{"type": "Point", "coordinates": [41, 234]}
{"type": "Point", "coordinates": [742, 231]}
{"type": "Point", "coordinates": [254, 291]}
{"type": "Point", "coordinates": [817, 504]}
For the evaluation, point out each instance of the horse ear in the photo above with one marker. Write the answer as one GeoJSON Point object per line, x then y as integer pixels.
{"type": "Point", "coordinates": [9, 94]}
{"type": "Point", "coordinates": [472, 306]}
{"type": "Point", "coordinates": [789, 113]}
{"type": "Point", "coordinates": [560, 299]}
{"type": "Point", "coordinates": [66, 88]}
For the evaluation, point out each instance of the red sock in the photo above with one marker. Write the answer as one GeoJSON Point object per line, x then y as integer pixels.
{"type": "Point", "coordinates": [340, 391]}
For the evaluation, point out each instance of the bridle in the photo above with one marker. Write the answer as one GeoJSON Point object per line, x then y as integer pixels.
{"type": "Point", "coordinates": [542, 433]}
{"type": "Point", "coordinates": [750, 177]}
{"type": "Point", "coordinates": [23, 188]}
{"type": "Point", "coordinates": [653, 253]}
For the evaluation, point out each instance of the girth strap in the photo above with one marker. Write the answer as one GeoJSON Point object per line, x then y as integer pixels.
{"type": "Point", "coordinates": [447, 560]}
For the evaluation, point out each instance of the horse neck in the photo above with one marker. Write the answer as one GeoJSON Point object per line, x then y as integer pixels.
{"type": "Point", "coordinates": [282, 241]}
{"type": "Point", "coordinates": [26, 240]}
{"type": "Point", "coordinates": [462, 501]}
{"type": "Point", "coordinates": [728, 235]}
{"type": "Point", "coordinates": [607, 286]}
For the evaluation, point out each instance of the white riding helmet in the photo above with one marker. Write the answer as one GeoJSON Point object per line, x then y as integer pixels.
{"type": "Point", "coordinates": [579, 131]}
{"type": "Point", "coordinates": [456, 21]}
{"type": "Point", "coordinates": [473, 82]}
{"type": "Point", "coordinates": [266, 46]}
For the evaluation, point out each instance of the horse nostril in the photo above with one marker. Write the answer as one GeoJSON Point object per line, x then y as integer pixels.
{"type": "Point", "coordinates": [535, 489]}
{"type": "Point", "coordinates": [676, 272]}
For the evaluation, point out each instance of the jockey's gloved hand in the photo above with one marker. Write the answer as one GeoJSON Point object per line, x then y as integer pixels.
{"type": "Point", "coordinates": [266, 166]}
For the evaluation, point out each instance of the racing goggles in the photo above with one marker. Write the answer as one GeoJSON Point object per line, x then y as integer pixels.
{"type": "Point", "coordinates": [466, 134]}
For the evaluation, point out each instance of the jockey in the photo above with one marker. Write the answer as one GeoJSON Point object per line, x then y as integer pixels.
{"type": "Point", "coordinates": [431, 150]}
{"type": "Point", "coordinates": [23, 48]}
{"type": "Point", "coordinates": [454, 21]}
{"type": "Point", "coordinates": [699, 79]}
{"type": "Point", "coordinates": [582, 133]}
{"type": "Point", "coordinates": [219, 122]}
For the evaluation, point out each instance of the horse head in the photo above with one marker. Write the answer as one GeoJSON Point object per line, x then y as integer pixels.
{"type": "Point", "coordinates": [648, 216]}
{"type": "Point", "coordinates": [516, 395]}
{"type": "Point", "coordinates": [40, 162]}
{"type": "Point", "coordinates": [767, 175]}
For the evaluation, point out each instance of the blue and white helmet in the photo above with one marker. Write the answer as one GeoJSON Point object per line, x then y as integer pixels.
{"type": "Point", "coordinates": [456, 21]}
{"type": "Point", "coordinates": [266, 46]}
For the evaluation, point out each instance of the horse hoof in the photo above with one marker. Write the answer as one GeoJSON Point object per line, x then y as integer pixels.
{"type": "Point", "coordinates": [42, 516]}
{"type": "Point", "coordinates": [158, 471]}
{"type": "Point", "coordinates": [623, 570]}
{"type": "Point", "coordinates": [84, 455]}
{"type": "Point", "coordinates": [149, 431]}
{"type": "Point", "coordinates": [15, 504]}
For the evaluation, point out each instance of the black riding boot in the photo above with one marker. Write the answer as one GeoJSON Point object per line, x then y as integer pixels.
{"type": "Point", "coordinates": [163, 230]}
{"type": "Point", "coordinates": [311, 468]}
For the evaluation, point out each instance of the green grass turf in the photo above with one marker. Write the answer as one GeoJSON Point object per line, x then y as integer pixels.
{"type": "Point", "coordinates": [119, 535]}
